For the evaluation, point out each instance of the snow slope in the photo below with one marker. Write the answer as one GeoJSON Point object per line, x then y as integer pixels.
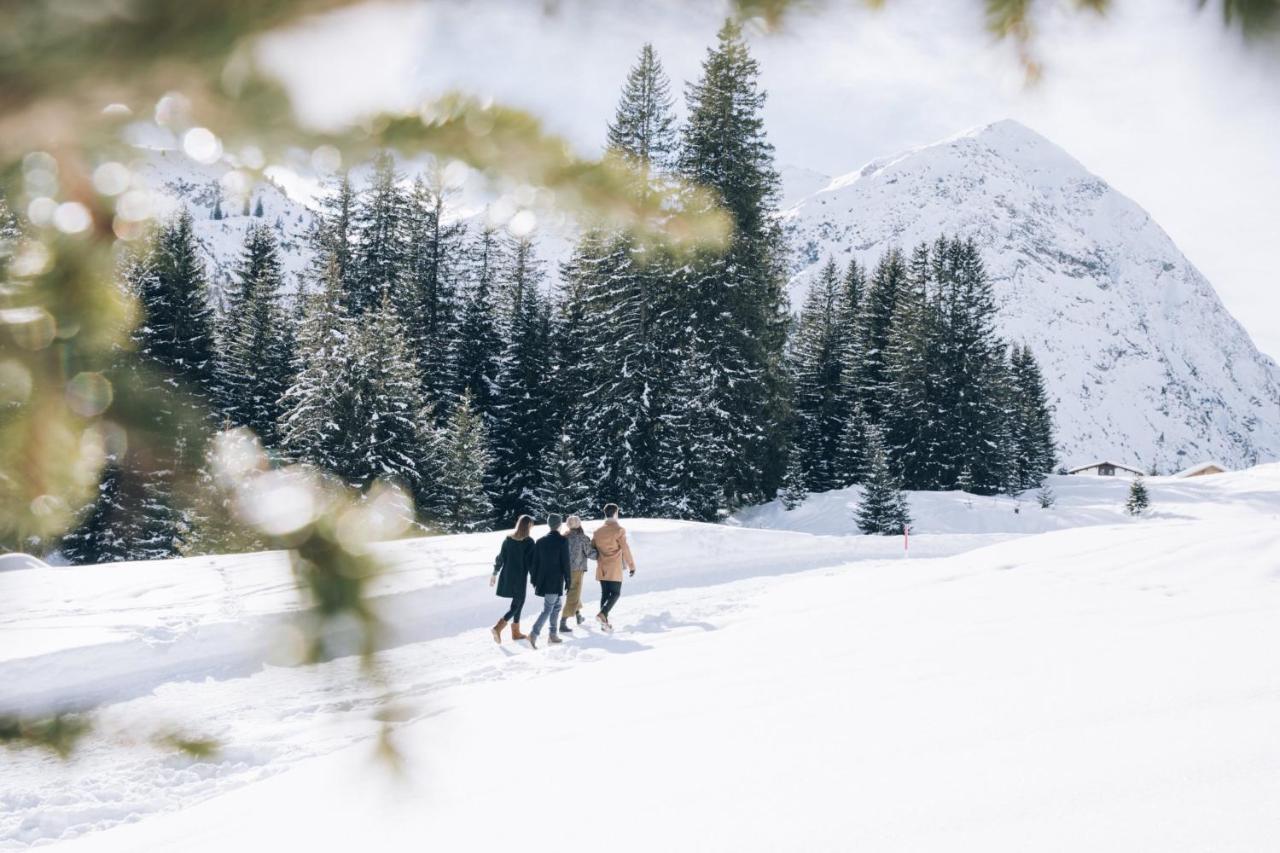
{"type": "Point", "coordinates": [1141, 359]}
{"type": "Point", "coordinates": [1104, 686]}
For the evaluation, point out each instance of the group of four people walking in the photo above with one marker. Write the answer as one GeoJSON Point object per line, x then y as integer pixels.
{"type": "Point", "coordinates": [556, 565]}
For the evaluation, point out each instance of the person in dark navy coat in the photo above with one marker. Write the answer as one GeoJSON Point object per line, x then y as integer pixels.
{"type": "Point", "coordinates": [511, 576]}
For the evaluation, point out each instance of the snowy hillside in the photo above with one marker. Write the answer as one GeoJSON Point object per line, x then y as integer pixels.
{"type": "Point", "coordinates": [1140, 358]}
{"type": "Point", "coordinates": [1105, 685]}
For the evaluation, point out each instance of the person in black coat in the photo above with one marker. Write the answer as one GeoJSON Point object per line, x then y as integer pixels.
{"type": "Point", "coordinates": [550, 578]}
{"type": "Point", "coordinates": [511, 575]}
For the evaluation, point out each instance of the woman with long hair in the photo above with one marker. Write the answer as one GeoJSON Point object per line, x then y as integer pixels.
{"type": "Point", "coordinates": [513, 564]}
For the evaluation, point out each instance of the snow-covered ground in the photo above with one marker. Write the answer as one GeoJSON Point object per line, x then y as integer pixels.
{"type": "Point", "coordinates": [1061, 679]}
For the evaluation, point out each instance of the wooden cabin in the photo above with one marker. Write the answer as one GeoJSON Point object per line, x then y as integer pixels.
{"type": "Point", "coordinates": [1107, 469]}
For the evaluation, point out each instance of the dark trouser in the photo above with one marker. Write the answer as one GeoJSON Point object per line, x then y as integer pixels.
{"type": "Point", "coordinates": [610, 592]}
{"type": "Point", "coordinates": [517, 604]}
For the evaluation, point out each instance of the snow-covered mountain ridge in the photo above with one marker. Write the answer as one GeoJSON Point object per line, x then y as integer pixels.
{"type": "Point", "coordinates": [1142, 361]}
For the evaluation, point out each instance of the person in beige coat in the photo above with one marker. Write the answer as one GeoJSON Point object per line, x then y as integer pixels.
{"type": "Point", "coordinates": [613, 554]}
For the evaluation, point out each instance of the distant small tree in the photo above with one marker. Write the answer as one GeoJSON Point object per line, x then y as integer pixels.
{"type": "Point", "coordinates": [793, 491]}
{"type": "Point", "coordinates": [217, 209]}
{"type": "Point", "coordinates": [1139, 500]}
{"type": "Point", "coordinates": [257, 208]}
{"type": "Point", "coordinates": [245, 211]}
{"type": "Point", "coordinates": [1045, 496]}
{"type": "Point", "coordinates": [883, 508]}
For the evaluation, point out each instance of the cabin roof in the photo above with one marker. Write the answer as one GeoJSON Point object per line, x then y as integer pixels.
{"type": "Point", "coordinates": [1197, 469]}
{"type": "Point", "coordinates": [1119, 465]}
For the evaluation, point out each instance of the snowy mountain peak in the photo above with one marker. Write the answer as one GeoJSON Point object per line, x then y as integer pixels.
{"type": "Point", "coordinates": [1142, 361]}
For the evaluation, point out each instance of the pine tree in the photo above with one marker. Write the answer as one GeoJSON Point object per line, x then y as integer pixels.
{"type": "Point", "coordinates": [523, 426]}
{"type": "Point", "coordinates": [737, 298]}
{"type": "Point", "coordinates": [1139, 500]}
{"type": "Point", "coordinates": [1035, 453]}
{"type": "Point", "coordinates": [1045, 496]}
{"type": "Point", "coordinates": [563, 488]}
{"type": "Point", "coordinates": [883, 508]}
{"type": "Point", "coordinates": [852, 451]}
{"type": "Point", "coordinates": [257, 343]}
{"type": "Point", "coordinates": [910, 374]}
{"type": "Point", "coordinates": [244, 211]}
{"type": "Point", "coordinates": [381, 238]}
{"type": "Point", "coordinates": [875, 321]}
{"type": "Point", "coordinates": [643, 127]}
{"type": "Point", "coordinates": [257, 209]}
{"type": "Point", "coordinates": [101, 535]}
{"type": "Point", "coordinates": [429, 301]}
{"type": "Point", "coordinates": [466, 458]}
{"type": "Point", "coordinates": [217, 214]}
{"type": "Point", "coordinates": [477, 357]}
{"type": "Point", "coordinates": [690, 448]}
{"type": "Point", "coordinates": [793, 492]}
{"type": "Point", "coordinates": [817, 356]}
{"type": "Point", "coordinates": [333, 237]}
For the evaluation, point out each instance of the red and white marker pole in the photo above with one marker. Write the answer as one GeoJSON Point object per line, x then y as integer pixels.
{"type": "Point", "coordinates": [906, 541]}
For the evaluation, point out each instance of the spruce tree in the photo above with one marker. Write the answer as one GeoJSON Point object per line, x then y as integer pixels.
{"type": "Point", "coordinates": [381, 237]}
{"type": "Point", "coordinates": [910, 373]}
{"type": "Point", "coordinates": [429, 301]}
{"type": "Point", "coordinates": [1045, 496]}
{"type": "Point", "coordinates": [563, 488]}
{"type": "Point", "coordinates": [333, 236]}
{"type": "Point", "coordinates": [643, 127]}
{"type": "Point", "coordinates": [1139, 500]}
{"type": "Point", "coordinates": [737, 300]}
{"type": "Point", "coordinates": [817, 356]}
{"type": "Point", "coordinates": [883, 507]}
{"type": "Point", "coordinates": [793, 491]}
{"type": "Point", "coordinates": [1035, 452]}
{"type": "Point", "coordinates": [257, 342]}
{"type": "Point", "coordinates": [257, 209]}
{"type": "Point", "coordinates": [466, 458]}
{"type": "Point", "coordinates": [523, 426]}
{"type": "Point", "coordinates": [691, 450]}
{"type": "Point", "coordinates": [103, 532]}
{"type": "Point", "coordinates": [875, 321]}
{"type": "Point", "coordinates": [477, 357]}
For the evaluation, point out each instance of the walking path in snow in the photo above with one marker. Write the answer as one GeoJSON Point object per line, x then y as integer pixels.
{"type": "Point", "coordinates": [1097, 687]}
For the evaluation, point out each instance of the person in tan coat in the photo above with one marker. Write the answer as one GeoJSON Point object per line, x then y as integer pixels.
{"type": "Point", "coordinates": [612, 555]}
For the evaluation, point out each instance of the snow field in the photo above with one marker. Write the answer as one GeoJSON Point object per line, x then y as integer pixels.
{"type": "Point", "coordinates": [1104, 686]}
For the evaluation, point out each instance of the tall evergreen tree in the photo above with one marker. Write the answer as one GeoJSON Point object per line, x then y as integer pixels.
{"type": "Point", "coordinates": [466, 458]}
{"type": "Point", "coordinates": [643, 128]}
{"type": "Point", "coordinates": [817, 355]}
{"type": "Point", "coordinates": [333, 236]}
{"type": "Point", "coordinates": [257, 342]}
{"type": "Point", "coordinates": [1035, 452]}
{"type": "Point", "coordinates": [563, 488]}
{"type": "Point", "coordinates": [381, 232]}
{"type": "Point", "coordinates": [477, 358]}
{"type": "Point", "coordinates": [910, 372]}
{"type": "Point", "coordinates": [102, 536]}
{"type": "Point", "coordinates": [738, 302]}
{"type": "Point", "coordinates": [871, 381]}
{"type": "Point", "coordinates": [429, 300]}
{"type": "Point", "coordinates": [523, 425]}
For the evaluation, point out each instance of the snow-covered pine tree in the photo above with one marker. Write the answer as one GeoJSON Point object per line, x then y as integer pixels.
{"type": "Point", "coordinates": [563, 488]}
{"type": "Point", "coordinates": [257, 343]}
{"type": "Point", "coordinates": [333, 236]}
{"type": "Point", "coordinates": [817, 358]}
{"type": "Point", "coordinates": [1035, 450]}
{"type": "Point", "coordinates": [1139, 499]}
{"type": "Point", "coordinates": [870, 379]}
{"type": "Point", "coordinates": [883, 508]}
{"type": "Point", "coordinates": [1045, 496]}
{"type": "Point", "coordinates": [217, 214]}
{"type": "Point", "coordinates": [851, 459]}
{"type": "Point", "coordinates": [102, 534]}
{"type": "Point", "coordinates": [630, 296]}
{"type": "Point", "coordinates": [244, 211]}
{"type": "Point", "coordinates": [319, 405]}
{"type": "Point", "coordinates": [177, 334]}
{"type": "Point", "coordinates": [910, 363]}
{"type": "Point", "coordinates": [257, 208]}
{"type": "Point", "coordinates": [793, 491]}
{"type": "Point", "coordinates": [524, 426]}
{"type": "Point", "coordinates": [973, 384]}
{"type": "Point", "coordinates": [738, 304]}
{"type": "Point", "coordinates": [466, 458]}
{"type": "Point", "coordinates": [691, 452]}
{"type": "Point", "coordinates": [381, 238]}
{"type": "Point", "coordinates": [429, 300]}
{"type": "Point", "coordinates": [480, 337]}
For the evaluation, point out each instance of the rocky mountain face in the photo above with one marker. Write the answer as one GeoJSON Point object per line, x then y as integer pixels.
{"type": "Point", "coordinates": [1143, 364]}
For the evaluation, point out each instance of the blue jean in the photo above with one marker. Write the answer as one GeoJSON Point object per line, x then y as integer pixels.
{"type": "Point", "coordinates": [550, 610]}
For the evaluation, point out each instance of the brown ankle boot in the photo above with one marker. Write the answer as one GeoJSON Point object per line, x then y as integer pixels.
{"type": "Point", "coordinates": [497, 631]}
{"type": "Point", "coordinates": [515, 632]}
